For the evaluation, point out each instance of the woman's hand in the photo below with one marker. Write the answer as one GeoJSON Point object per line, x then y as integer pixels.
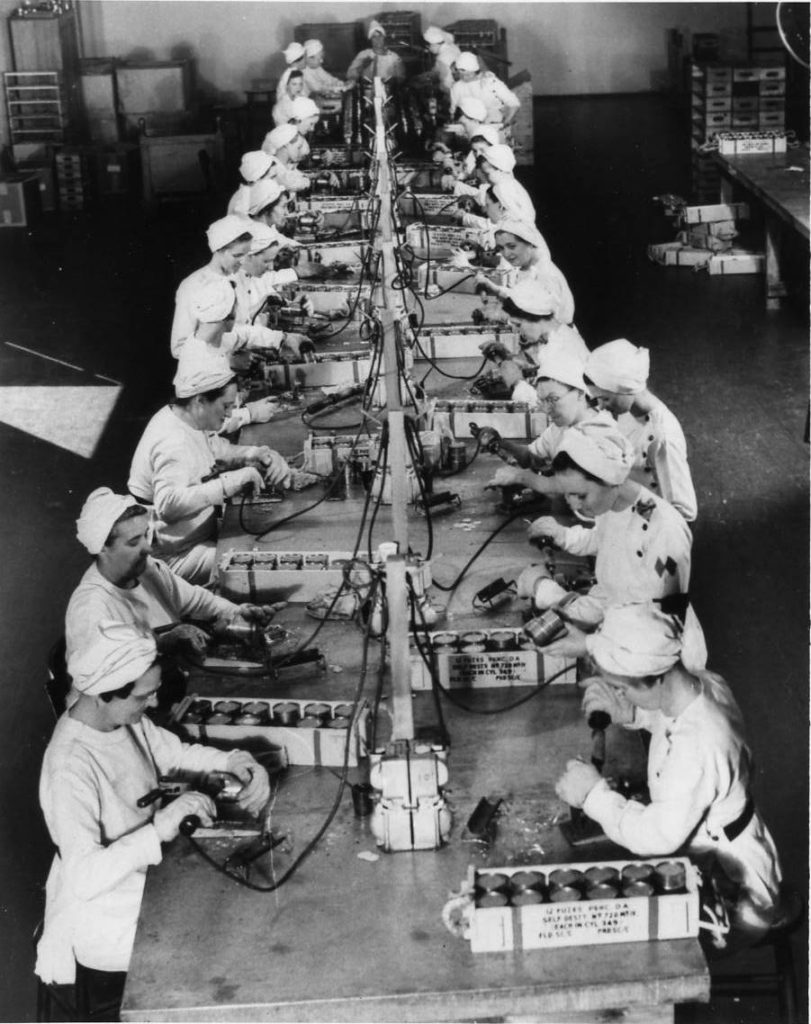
{"type": "Point", "coordinates": [577, 782]}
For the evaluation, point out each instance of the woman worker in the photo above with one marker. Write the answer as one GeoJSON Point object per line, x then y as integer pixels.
{"type": "Point", "coordinates": [617, 375]}
{"type": "Point", "coordinates": [254, 166]}
{"type": "Point", "coordinates": [445, 52]}
{"type": "Point", "coordinates": [502, 104]}
{"type": "Point", "coordinates": [318, 80]}
{"type": "Point", "coordinates": [377, 61]}
{"type": "Point", "coordinates": [179, 452]}
{"type": "Point", "coordinates": [700, 767]}
{"type": "Point", "coordinates": [284, 143]}
{"type": "Point", "coordinates": [497, 164]}
{"type": "Point", "coordinates": [283, 108]}
{"type": "Point", "coordinates": [640, 543]}
{"type": "Point", "coordinates": [294, 58]}
{"type": "Point", "coordinates": [103, 757]}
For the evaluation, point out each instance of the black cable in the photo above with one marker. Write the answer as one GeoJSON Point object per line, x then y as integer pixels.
{"type": "Point", "coordinates": [450, 588]}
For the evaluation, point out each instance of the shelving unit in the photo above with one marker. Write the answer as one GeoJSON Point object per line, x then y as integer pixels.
{"type": "Point", "coordinates": [484, 37]}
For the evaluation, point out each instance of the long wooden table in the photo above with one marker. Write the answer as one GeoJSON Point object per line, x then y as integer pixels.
{"type": "Point", "coordinates": [352, 939]}
{"type": "Point", "coordinates": [779, 184]}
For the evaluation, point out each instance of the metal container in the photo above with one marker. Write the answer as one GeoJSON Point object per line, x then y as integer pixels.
{"type": "Point", "coordinates": [492, 899]}
{"type": "Point", "coordinates": [445, 641]}
{"type": "Point", "coordinates": [527, 880]}
{"type": "Point", "coordinates": [602, 891]}
{"type": "Point", "coordinates": [565, 894]}
{"type": "Point", "coordinates": [247, 719]}
{"type": "Point", "coordinates": [597, 875]}
{"type": "Point", "coordinates": [457, 456]}
{"type": "Point", "coordinates": [310, 722]}
{"type": "Point", "coordinates": [670, 877]}
{"type": "Point", "coordinates": [201, 707]}
{"type": "Point", "coordinates": [472, 648]}
{"type": "Point", "coordinates": [637, 873]}
{"type": "Point", "coordinates": [218, 718]}
{"type": "Point", "coordinates": [193, 718]}
{"type": "Point", "coordinates": [343, 710]}
{"type": "Point", "coordinates": [317, 710]}
{"type": "Point", "coordinates": [640, 889]}
{"type": "Point", "coordinates": [260, 708]}
{"type": "Point", "coordinates": [503, 640]}
{"type": "Point", "coordinates": [337, 723]}
{"type": "Point", "coordinates": [227, 707]}
{"type": "Point", "coordinates": [286, 713]}
{"type": "Point", "coordinates": [494, 881]}
{"type": "Point", "coordinates": [526, 897]}
{"type": "Point", "coordinates": [563, 877]}
{"type": "Point", "coordinates": [545, 628]}
{"type": "Point", "coordinates": [473, 636]}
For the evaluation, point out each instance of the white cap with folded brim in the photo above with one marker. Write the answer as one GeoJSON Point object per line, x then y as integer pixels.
{"type": "Point", "coordinates": [467, 62]}
{"type": "Point", "coordinates": [600, 449]}
{"type": "Point", "coordinates": [561, 366]}
{"type": "Point", "coordinates": [434, 35]}
{"type": "Point", "coordinates": [117, 654]}
{"type": "Point", "coordinates": [521, 229]}
{"type": "Point", "coordinates": [313, 47]}
{"type": "Point", "coordinates": [473, 108]}
{"type": "Point", "coordinates": [636, 640]}
{"type": "Point", "coordinates": [294, 52]}
{"type": "Point", "coordinates": [532, 298]}
{"type": "Point", "coordinates": [375, 26]}
{"type": "Point", "coordinates": [283, 135]}
{"type": "Point", "coordinates": [500, 156]}
{"type": "Point", "coordinates": [99, 515]}
{"type": "Point", "coordinates": [226, 230]}
{"type": "Point", "coordinates": [263, 236]}
{"type": "Point", "coordinates": [619, 367]}
{"type": "Point", "coordinates": [487, 132]}
{"type": "Point", "coordinates": [303, 106]}
{"type": "Point", "coordinates": [264, 193]}
{"type": "Point", "coordinates": [200, 368]}
{"type": "Point", "coordinates": [213, 300]}
{"type": "Point", "coordinates": [255, 165]}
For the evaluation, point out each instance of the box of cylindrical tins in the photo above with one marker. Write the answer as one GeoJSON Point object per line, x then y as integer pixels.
{"type": "Point", "coordinates": [328, 296]}
{"type": "Point", "coordinates": [511, 419]}
{"type": "Point", "coordinates": [310, 731]}
{"type": "Point", "coordinates": [550, 905]}
{"type": "Point", "coordinates": [326, 369]}
{"type": "Point", "coordinates": [420, 205]}
{"type": "Point", "coordinates": [741, 143]}
{"type": "Point", "coordinates": [433, 278]}
{"type": "Point", "coordinates": [335, 157]}
{"type": "Point", "coordinates": [478, 659]}
{"type": "Point", "coordinates": [344, 212]}
{"type": "Point", "coordinates": [437, 241]}
{"type": "Point", "coordinates": [461, 340]}
{"type": "Point", "coordinates": [318, 451]}
{"type": "Point", "coordinates": [419, 175]}
{"type": "Point", "coordinates": [349, 253]}
{"type": "Point", "coordinates": [329, 180]}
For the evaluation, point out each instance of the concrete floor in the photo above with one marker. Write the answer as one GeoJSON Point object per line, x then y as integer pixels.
{"type": "Point", "coordinates": [95, 290]}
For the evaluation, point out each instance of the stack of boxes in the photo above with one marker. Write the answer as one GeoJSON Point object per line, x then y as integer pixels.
{"type": "Point", "coordinates": [731, 98]}
{"type": "Point", "coordinates": [73, 179]}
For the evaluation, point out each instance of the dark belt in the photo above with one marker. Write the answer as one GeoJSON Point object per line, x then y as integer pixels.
{"type": "Point", "coordinates": [141, 501]}
{"type": "Point", "coordinates": [734, 828]}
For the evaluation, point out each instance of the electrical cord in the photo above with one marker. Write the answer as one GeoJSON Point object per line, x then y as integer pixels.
{"type": "Point", "coordinates": [451, 587]}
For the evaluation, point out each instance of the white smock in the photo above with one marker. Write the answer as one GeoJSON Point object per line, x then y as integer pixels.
{"type": "Point", "coordinates": [699, 776]}
{"type": "Point", "coordinates": [283, 110]}
{"type": "Point", "coordinates": [545, 447]}
{"type": "Point", "coordinates": [545, 273]}
{"type": "Point", "coordinates": [661, 456]}
{"type": "Point", "coordinates": [443, 59]}
{"type": "Point", "coordinates": [169, 463]}
{"type": "Point", "coordinates": [319, 80]}
{"type": "Point", "coordinates": [369, 64]}
{"type": "Point", "coordinates": [642, 554]}
{"type": "Point", "coordinates": [251, 295]}
{"type": "Point", "coordinates": [281, 87]}
{"type": "Point", "coordinates": [563, 338]}
{"type": "Point", "coordinates": [493, 93]}
{"type": "Point", "coordinates": [89, 787]}
{"type": "Point", "coordinates": [184, 323]}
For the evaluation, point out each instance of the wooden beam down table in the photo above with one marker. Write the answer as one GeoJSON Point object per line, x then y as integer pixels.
{"type": "Point", "coordinates": [778, 183]}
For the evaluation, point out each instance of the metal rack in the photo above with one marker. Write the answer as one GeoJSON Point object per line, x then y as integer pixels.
{"type": "Point", "coordinates": [35, 106]}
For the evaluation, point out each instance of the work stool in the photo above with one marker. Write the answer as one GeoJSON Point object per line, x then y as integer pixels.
{"type": "Point", "coordinates": [782, 981]}
{"type": "Point", "coordinates": [59, 682]}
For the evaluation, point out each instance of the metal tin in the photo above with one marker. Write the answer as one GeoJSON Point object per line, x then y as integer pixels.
{"type": "Point", "coordinates": [316, 561]}
{"type": "Point", "coordinates": [286, 713]}
{"type": "Point", "coordinates": [246, 719]}
{"type": "Point", "coordinates": [473, 636]}
{"type": "Point", "coordinates": [669, 877]}
{"type": "Point", "coordinates": [479, 407]}
{"type": "Point", "coordinates": [545, 628]}
{"type": "Point", "coordinates": [311, 722]}
{"type": "Point", "coordinates": [597, 875]}
{"type": "Point", "coordinates": [290, 561]}
{"type": "Point", "coordinates": [637, 873]}
{"type": "Point", "coordinates": [457, 455]}
{"type": "Point", "coordinates": [256, 707]}
{"type": "Point", "coordinates": [218, 718]}
{"type": "Point", "coordinates": [343, 710]}
{"type": "Point", "coordinates": [493, 881]}
{"type": "Point", "coordinates": [192, 718]}
{"type": "Point", "coordinates": [527, 880]}
{"type": "Point", "coordinates": [201, 707]}
{"type": "Point", "coordinates": [632, 890]}
{"type": "Point", "coordinates": [242, 558]}
{"type": "Point", "coordinates": [526, 897]}
{"type": "Point", "coordinates": [565, 877]}
{"type": "Point", "coordinates": [472, 648]}
{"type": "Point", "coordinates": [445, 641]}
{"type": "Point", "coordinates": [503, 640]}
{"type": "Point", "coordinates": [227, 707]}
{"type": "Point", "coordinates": [602, 891]}
{"type": "Point", "coordinates": [565, 894]}
{"type": "Point", "coordinates": [317, 710]}
{"type": "Point", "coordinates": [492, 899]}
{"type": "Point", "coordinates": [337, 723]}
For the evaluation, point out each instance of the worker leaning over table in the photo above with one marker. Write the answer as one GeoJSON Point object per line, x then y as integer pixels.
{"type": "Point", "coordinates": [285, 145]}
{"type": "Point", "coordinates": [534, 310]}
{"type": "Point", "coordinates": [127, 584]}
{"type": "Point", "coordinates": [700, 768]}
{"type": "Point", "coordinates": [497, 164]}
{"type": "Point", "coordinates": [443, 49]}
{"type": "Point", "coordinates": [179, 447]}
{"type": "Point", "coordinates": [502, 104]}
{"type": "Point", "coordinates": [253, 167]}
{"type": "Point", "coordinates": [463, 168]}
{"type": "Point", "coordinates": [640, 543]}
{"type": "Point", "coordinates": [617, 375]}
{"type": "Point", "coordinates": [104, 755]}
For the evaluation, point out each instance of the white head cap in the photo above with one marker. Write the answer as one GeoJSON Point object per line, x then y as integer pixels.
{"type": "Point", "coordinates": [117, 654]}
{"type": "Point", "coordinates": [294, 52]}
{"type": "Point", "coordinates": [473, 108]}
{"type": "Point", "coordinates": [213, 301]}
{"type": "Point", "coordinates": [313, 47]}
{"type": "Point", "coordinates": [200, 368]}
{"type": "Point", "coordinates": [600, 449]}
{"type": "Point", "coordinates": [501, 157]}
{"type": "Point", "coordinates": [561, 366]}
{"type": "Point", "coordinates": [263, 237]}
{"type": "Point", "coordinates": [282, 135]}
{"type": "Point", "coordinates": [226, 230]}
{"type": "Point", "coordinates": [488, 132]}
{"type": "Point", "coordinates": [99, 515]}
{"type": "Point", "coordinates": [303, 106]}
{"type": "Point", "coordinates": [522, 229]}
{"type": "Point", "coordinates": [467, 62]}
{"type": "Point", "coordinates": [531, 297]}
{"type": "Point", "coordinates": [255, 165]}
{"type": "Point", "coordinates": [636, 640]}
{"type": "Point", "coordinates": [375, 26]}
{"type": "Point", "coordinates": [433, 35]}
{"type": "Point", "coordinates": [619, 367]}
{"type": "Point", "coordinates": [264, 193]}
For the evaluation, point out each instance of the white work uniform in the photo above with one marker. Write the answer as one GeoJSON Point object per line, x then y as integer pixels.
{"type": "Point", "coordinates": [545, 447]}
{"type": "Point", "coordinates": [89, 788]}
{"type": "Point", "coordinates": [319, 80]}
{"type": "Point", "coordinates": [367, 63]}
{"type": "Point", "coordinates": [642, 554]}
{"type": "Point", "coordinates": [169, 462]}
{"type": "Point", "coordinates": [288, 177]}
{"type": "Point", "coordinates": [699, 776]}
{"type": "Point", "coordinates": [159, 597]}
{"type": "Point", "coordinates": [184, 323]}
{"type": "Point", "coordinates": [562, 339]}
{"type": "Point", "coordinates": [281, 88]}
{"type": "Point", "coordinates": [493, 93]}
{"type": "Point", "coordinates": [443, 59]}
{"type": "Point", "coordinates": [545, 273]}
{"type": "Point", "coordinates": [514, 196]}
{"type": "Point", "coordinates": [252, 292]}
{"type": "Point", "coordinates": [283, 110]}
{"type": "Point", "coordinates": [661, 457]}
{"type": "Point", "coordinates": [240, 201]}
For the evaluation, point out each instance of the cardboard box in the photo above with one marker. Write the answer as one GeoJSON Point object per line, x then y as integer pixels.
{"type": "Point", "coordinates": [489, 669]}
{"type": "Point", "coordinates": [512, 420]}
{"type": "Point", "coordinates": [46, 183]}
{"type": "Point", "coordinates": [20, 205]}
{"type": "Point", "coordinates": [351, 253]}
{"type": "Point", "coordinates": [325, 745]}
{"type": "Point", "coordinates": [551, 925]}
{"type": "Point", "coordinates": [741, 143]}
{"type": "Point", "coordinates": [426, 204]}
{"type": "Point", "coordinates": [432, 277]}
{"type": "Point", "coordinates": [318, 451]}
{"type": "Point", "coordinates": [326, 297]}
{"type": "Point", "coordinates": [462, 341]}
{"type": "Point", "coordinates": [329, 369]}
{"type": "Point", "coordinates": [737, 262]}
{"type": "Point", "coordinates": [714, 212]}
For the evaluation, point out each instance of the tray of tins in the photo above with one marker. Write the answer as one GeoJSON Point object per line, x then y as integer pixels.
{"type": "Point", "coordinates": [461, 340]}
{"type": "Point", "coordinates": [419, 174]}
{"type": "Point", "coordinates": [350, 254]}
{"type": "Point", "coordinates": [325, 181]}
{"type": "Point", "coordinates": [593, 903]}
{"type": "Point", "coordinates": [350, 296]}
{"type": "Point", "coordinates": [318, 451]}
{"type": "Point", "coordinates": [326, 369]}
{"type": "Point", "coordinates": [433, 278]}
{"type": "Point", "coordinates": [437, 241]}
{"type": "Point", "coordinates": [311, 732]}
{"type": "Point", "coordinates": [336, 156]}
{"type": "Point", "coordinates": [420, 206]}
{"type": "Point", "coordinates": [479, 659]}
{"type": "Point", "coordinates": [513, 420]}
